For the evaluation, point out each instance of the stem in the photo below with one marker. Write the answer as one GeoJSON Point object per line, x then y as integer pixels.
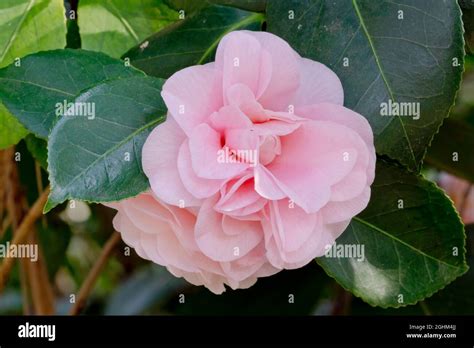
{"type": "Point", "coordinates": [21, 234]}
{"type": "Point", "coordinates": [4, 227]}
{"type": "Point", "coordinates": [41, 290]}
{"type": "Point", "coordinates": [91, 278]}
{"type": "Point", "coordinates": [15, 213]}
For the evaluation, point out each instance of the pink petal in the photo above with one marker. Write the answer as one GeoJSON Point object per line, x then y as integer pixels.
{"type": "Point", "coordinates": [246, 266]}
{"type": "Point", "coordinates": [341, 115]}
{"type": "Point", "coordinates": [318, 84]}
{"type": "Point", "coordinates": [229, 117]}
{"type": "Point", "coordinates": [205, 146]}
{"type": "Point", "coordinates": [225, 239]}
{"type": "Point", "coordinates": [334, 212]}
{"type": "Point", "coordinates": [241, 96]}
{"type": "Point", "coordinates": [242, 61]}
{"type": "Point", "coordinates": [267, 185]}
{"type": "Point", "coordinates": [295, 226]}
{"type": "Point", "coordinates": [349, 187]}
{"type": "Point", "coordinates": [313, 158]}
{"type": "Point", "coordinates": [159, 159]}
{"type": "Point", "coordinates": [192, 95]}
{"type": "Point", "coordinates": [344, 116]}
{"type": "Point", "coordinates": [198, 187]}
{"type": "Point", "coordinates": [285, 74]}
{"type": "Point", "coordinates": [240, 194]}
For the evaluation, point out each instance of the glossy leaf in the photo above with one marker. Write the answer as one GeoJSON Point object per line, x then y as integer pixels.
{"type": "Point", "coordinates": [400, 51]}
{"type": "Point", "coordinates": [190, 6]}
{"type": "Point", "coordinates": [115, 26]}
{"type": "Point", "coordinates": [191, 41]}
{"type": "Point", "coordinates": [26, 27]}
{"type": "Point", "coordinates": [456, 297]}
{"type": "Point", "coordinates": [32, 92]}
{"type": "Point", "coordinates": [413, 240]}
{"type": "Point", "coordinates": [97, 157]}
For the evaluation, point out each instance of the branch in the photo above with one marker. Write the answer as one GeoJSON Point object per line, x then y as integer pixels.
{"type": "Point", "coordinates": [21, 234]}
{"type": "Point", "coordinates": [91, 278]}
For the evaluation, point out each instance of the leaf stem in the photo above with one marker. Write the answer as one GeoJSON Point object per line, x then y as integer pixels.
{"type": "Point", "coordinates": [91, 278]}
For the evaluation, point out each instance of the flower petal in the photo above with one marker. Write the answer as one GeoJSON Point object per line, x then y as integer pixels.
{"type": "Point", "coordinates": [192, 95]}
{"type": "Point", "coordinates": [159, 159]}
{"type": "Point", "coordinates": [223, 238]}
{"type": "Point", "coordinates": [198, 187]}
{"type": "Point", "coordinates": [318, 84]}
{"type": "Point", "coordinates": [207, 155]}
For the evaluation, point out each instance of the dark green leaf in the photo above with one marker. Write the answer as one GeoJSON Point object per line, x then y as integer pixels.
{"type": "Point", "coordinates": [382, 54]}
{"type": "Point", "coordinates": [26, 27]}
{"type": "Point", "coordinates": [115, 26]}
{"type": "Point", "coordinates": [32, 91]}
{"type": "Point", "coordinates": [249, 5]}
{"type": "Point", "coordinates": [97, 157]}
{"type": "Point", "coordinates": [191, 41]}
{"type": "Point", "coordinates": [413, 241]}
{"type": "Point", "coordinates": [190, 6]}
{"type": "Point", "coordinates": [452, 149]}
{"type": "Point", "coordinates": [456, 297]}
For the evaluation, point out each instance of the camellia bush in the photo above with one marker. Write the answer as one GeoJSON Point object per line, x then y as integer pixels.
{"type": "Point", "coordinates": [291, 149]}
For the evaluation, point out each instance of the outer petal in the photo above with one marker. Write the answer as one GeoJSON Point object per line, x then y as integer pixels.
{"type": "Point", "coordinates": [192, 95]}
{"type": "Point", "coordinates": [285, 74]}
{"type": "Point", "coordinates": [318, 84]}
{"type": "Point", "coordinates": [223, 238]}
{"type": "Point", "coordinates": [313, 158]}
{"type": "Point", "coordinates": [159, 159]}
{"type": "Point", "coordinates": [354, 183]}
{"type": "Point", "coordinates": [341, 115]}
{"type": "Point", "coordinates": [198, 187]}
{"type": "Point", "coordinates": [293, 225]}
{"type": "Point", "coordinates": [334, 212]}
{"type": "Point", "coordinates": [242, 61]}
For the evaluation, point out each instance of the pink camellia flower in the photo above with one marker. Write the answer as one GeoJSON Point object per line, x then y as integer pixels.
{"type": "Point", "coordinates": [258, 167]}
{"type": "Point", "coordinates": [462, 194]}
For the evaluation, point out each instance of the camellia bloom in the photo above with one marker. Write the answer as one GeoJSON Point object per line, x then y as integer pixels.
{"type": "Point", "coordinates": [257, 168]}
